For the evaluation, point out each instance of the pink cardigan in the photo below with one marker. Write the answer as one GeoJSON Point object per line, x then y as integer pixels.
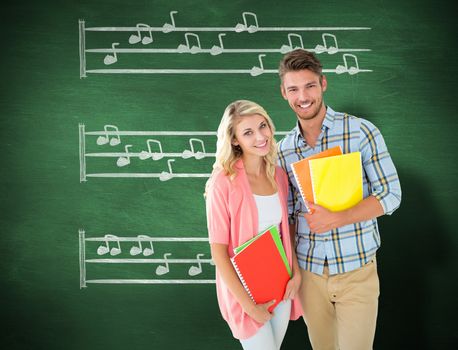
{"type": "Point", "coordinates": [232, 219]}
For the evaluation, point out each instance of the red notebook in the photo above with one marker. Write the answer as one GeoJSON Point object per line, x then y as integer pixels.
{"type": "Point", "coordinates": [262, 270]}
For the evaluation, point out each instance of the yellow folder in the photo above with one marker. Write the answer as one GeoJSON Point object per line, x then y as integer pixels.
{"type": "Point", "coordinates": [337, 181]}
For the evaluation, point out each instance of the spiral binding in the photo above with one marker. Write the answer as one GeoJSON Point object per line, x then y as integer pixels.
{"type": "Point", "coordinates": [242, 279]}
{"type": "Point", "coordinates": [300, 187]}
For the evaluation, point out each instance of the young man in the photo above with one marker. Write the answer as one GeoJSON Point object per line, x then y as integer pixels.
{"type": "Point", "coordinates": [336, 250]}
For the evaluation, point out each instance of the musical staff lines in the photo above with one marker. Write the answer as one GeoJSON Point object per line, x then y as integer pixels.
{"type": "Point", "coordinates": [216, 50]}
{"type": "Point", "coordinates": [220, 29]}
{"type": "Point", "coordinates": [163, 154]}
{"type": "Point", "coordinates": [140, 39]}
{"type": "Point", "coordinates": [141, 250]}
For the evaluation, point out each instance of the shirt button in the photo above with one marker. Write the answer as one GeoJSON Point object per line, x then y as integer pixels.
{"type": "Point", "coordinates": [326, 239]}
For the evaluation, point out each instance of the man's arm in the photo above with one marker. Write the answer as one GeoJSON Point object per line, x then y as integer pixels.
{"type": "Point", "coordinates": [323, 220]}
{"type": "Point", "coordinates": [385, 196]}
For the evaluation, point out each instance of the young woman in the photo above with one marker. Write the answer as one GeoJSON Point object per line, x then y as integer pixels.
{"type": "Point", "coordinates": [245, 194]}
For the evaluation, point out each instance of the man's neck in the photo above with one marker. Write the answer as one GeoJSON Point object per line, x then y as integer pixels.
{"type": "Point", "coordinates": [311, 129]}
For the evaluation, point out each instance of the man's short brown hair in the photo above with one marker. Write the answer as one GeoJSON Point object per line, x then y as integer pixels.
{"type": "Point", "coordinates": [298, 60]}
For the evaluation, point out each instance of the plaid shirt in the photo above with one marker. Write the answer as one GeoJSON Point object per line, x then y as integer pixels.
{"type": "Point", "coordinates": [348, 247]}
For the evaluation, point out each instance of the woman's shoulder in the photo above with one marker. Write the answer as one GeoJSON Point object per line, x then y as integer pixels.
{"type": "Point", "coordinates": [280, 173]}
{"type": "Point", "coordinates": [282, 178]}
{"type": "Point", "coordinates": [219, 179]}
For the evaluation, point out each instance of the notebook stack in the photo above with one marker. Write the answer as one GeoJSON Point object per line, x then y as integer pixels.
{"type": "Point", "coordinates": [330, 179]}
{"type": "Point", "coordinates": [263, 268]}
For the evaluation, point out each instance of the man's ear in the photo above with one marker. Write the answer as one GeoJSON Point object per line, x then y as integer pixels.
{"type": "Point", "coordinates": [283, 91]}
{"type": "Point", "coordinates": [324, 83]}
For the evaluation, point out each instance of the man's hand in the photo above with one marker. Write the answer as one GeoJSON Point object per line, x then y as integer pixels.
{"type": "Point", "coordinates": [321, 219]}
{"type": "Point", "coordinates": [293, 286]}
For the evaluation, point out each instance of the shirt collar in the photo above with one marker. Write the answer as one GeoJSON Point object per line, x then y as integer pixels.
{"type": "Point", "coordinates": [329, 118]}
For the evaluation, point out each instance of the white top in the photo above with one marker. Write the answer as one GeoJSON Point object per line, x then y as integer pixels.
{"type": "Point", "coordinates": [269, 210]}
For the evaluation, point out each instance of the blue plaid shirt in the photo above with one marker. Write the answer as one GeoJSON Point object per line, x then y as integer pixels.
{"type": "Point", "coordinates": [348, 247]}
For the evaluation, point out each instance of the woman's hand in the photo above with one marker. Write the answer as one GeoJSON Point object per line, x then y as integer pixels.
{"type": "Point", "coordinates": [260, 312]}
{"type": "Point", "coordinates": [292, 287]}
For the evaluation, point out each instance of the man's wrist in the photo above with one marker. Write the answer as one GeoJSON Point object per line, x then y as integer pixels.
{"type": "Point", "coordinates": [340, 218]}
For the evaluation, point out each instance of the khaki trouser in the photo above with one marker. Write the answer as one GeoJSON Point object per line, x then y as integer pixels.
{"type": "Point", "coordinates": [340, 311]}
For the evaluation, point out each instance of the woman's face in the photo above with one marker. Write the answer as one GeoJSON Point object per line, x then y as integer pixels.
{"type": "Point", "coordinates": [253, 135]}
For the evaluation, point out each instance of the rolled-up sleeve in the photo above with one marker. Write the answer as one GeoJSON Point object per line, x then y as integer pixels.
{"type": "Point", "coordinates": [379, 168]}
{"type": "Point", "coordinates": [218, 217]}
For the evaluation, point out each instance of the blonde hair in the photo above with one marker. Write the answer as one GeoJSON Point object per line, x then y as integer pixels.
{"type": "Point", "coordinates": [227, 154]}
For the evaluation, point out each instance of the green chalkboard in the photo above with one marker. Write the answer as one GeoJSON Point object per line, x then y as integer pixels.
{"type": "Point", "coordinates": [109, 111]}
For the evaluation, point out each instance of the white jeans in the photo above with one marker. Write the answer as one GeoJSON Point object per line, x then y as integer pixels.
{"type": "Point", "coordinates": [270, 336]}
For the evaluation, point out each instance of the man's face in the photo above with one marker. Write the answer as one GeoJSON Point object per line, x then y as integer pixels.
{"type": "Point", "coordinates": [304, 93]}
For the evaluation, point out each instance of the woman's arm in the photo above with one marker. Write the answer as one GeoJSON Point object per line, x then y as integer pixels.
{"type": "Point", "coordinates": [259, 312]}
{"type": "Point", "coordinates": [295, 282]}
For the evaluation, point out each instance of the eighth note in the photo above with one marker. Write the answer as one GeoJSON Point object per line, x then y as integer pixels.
{"type": "Point", "coordinates": [196, 270]}
{"type": "Point", "coordinates": [287, 48]}
{"type": "Point", "coordinates": [103, 249]}
{"type": "Point", "coordinates": [242, 27]}
{"type": "Point", "coordinates": [167, 27]}
{"type": "Point", "coordinates": [116, 140]}
{"type": "Point", "coordinates": [135, 250]}
{"type": "Point", "coordinates": [182, 48]}
{"type": "Point", "coordinates": [163, 269]}
{"type": "Point", "coordinates": [136, 38]}
{"type": "Point", "coordinates": [110, 59]}
{"type": "Point", "coordinates": [124, 160]}
{"type": "Point", "coordinates": [150, 154]}
{"type": "Point", "coordinates": [164, 176]}
{"type": "Point", "coordinates": [192, 153]}
{"type": "Point", "coordinates": [216, 50]}
{"type": "Point", "coordinates": [345, 69]}
{"type": "Point", "coordinates": [258, 70]}
{"type": "Point", "coordinates": [330, 49]}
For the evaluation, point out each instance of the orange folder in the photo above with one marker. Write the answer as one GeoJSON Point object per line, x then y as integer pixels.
{"type": "Point", "coordinates": [301, 171]}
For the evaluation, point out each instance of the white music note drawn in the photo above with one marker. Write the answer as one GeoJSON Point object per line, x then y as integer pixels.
{"type": "Point", "coordinates": [196, 270]}
{"type": "Point", "coordinates": [244, 27]}
{"type": "Point", "coordinates": [104, 139]}
{"type": "Point", "coordinates": [163, 269]}
{"type": "Point", "coordinates": [255, 71]}
{"type": "Point", "coordinates": [104, 249]}
{"type": "Point", "coordinates": [136, 38]}
{"type": "Point", "coordinates": [150, 154]}
{"type": "Point", "coordinates": [216, 50]}
{"type": "Point", "coordinates": [124, 160]}
{"type": "Point", "coordinates": [167, 175]}
{"type": "Point", "coordinates": [287, 48]}
{"type": "Point", "coordinates": [192, 153]}
{"type": "Point", "coordinates": [167, 27]}
{"type": "Point", "coordinates": [329, 48]}
{"type": "Point", "coordinates": [113, 58]}
{"type": "Point", "coordinates": [147, 251]}
{"type": "Point", "coordinates": [183, 48]}
{"type": "Point", "coordinates": [346, 68]}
